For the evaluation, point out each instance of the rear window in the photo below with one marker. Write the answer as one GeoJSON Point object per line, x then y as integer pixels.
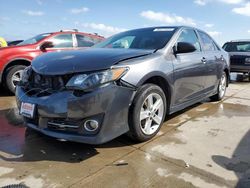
{"type": "Point", "coordinates": [237, 47]}
{"type": "Point", "coordinates": [85, 41]}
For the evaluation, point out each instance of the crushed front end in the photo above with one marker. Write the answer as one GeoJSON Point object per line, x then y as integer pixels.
{"type": "Point", "coordinates": [61, 106]}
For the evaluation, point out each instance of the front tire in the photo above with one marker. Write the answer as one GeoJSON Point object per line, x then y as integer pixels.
{"type": "Point", "coordinates": [13, 76]}
{"type": "Point", "coordinates": [147, 112]}
{"type": "Point", "coordinates": [221, 90]}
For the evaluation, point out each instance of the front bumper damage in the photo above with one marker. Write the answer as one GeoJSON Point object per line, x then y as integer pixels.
{"type": "Point", "coordinates": [62, 114]}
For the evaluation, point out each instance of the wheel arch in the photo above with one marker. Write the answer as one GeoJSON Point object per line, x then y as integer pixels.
{"type": "Point", "coordinates": [19, 61]}
{"type": "Point", "coordinates": [160, 80]}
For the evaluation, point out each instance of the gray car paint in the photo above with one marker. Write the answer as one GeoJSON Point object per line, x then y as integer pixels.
{"type": "Point", "coordinates": [78, 61]}
{"type": "Point", "coordinates": [112, 101]}
{"type": "Point", "coordinates": [185, 75]}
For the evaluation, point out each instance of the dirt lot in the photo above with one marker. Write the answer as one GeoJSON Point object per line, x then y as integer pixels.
{"type": "Point", "coordinates": [207, 145]}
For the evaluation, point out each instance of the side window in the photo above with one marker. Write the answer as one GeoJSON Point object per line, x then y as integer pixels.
{"type": "Point", "coordinates": [189, 36]}
{"type": "Point", "coordinates": [84, 41]}
{"type": "Point", "coordinates": [63, 41]}
{"type": "Point", "coordinates": [208, 43]}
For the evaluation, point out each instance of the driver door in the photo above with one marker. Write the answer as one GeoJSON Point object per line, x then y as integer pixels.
{"type": "Point", "coordinates": [189, 70]}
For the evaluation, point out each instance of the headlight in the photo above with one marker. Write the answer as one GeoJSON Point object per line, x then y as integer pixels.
{"type": "Point", "coordinates": [26, 74]}
{"type": "Point", "coordinates": [88, 81]}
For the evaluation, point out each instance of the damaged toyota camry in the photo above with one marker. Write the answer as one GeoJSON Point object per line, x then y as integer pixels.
{"type": "Point", "coordinates": [125, 84]}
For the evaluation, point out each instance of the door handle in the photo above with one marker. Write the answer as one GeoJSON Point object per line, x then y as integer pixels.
{"type": "Point", "coordinates": [204, 60]}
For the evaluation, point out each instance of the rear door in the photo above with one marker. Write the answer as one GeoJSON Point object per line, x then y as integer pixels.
{"type": "Point", "coordinates": [213, 60]}
{"type": "Point", "coordinates": [188, 70]}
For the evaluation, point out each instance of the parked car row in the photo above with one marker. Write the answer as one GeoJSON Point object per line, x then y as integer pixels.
{"type": "Point", "coordinates": [14, 59]}
{"type": "Point", "coordinates": [127, 83]}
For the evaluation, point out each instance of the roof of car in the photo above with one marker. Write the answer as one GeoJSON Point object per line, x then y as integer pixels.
{"type": "Point", "coordinates": [166, 27]}
{"type": "Point", "coordinates": [78, 32]}
{"type": "Point", "coordinates": [240, 40]}
{"type": "Point", "coordinates": [159, 27]}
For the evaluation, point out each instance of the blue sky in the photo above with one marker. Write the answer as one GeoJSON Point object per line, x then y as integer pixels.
{"type": "Point", "coordinates": [223, 19]}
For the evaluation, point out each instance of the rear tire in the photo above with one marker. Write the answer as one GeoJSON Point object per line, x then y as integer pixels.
{"type": "Point", "coordinates": [221, 90]}
{"type": "Point", "coordinates": [13, 75]}
{"type": "Point", "coordinates": [147, 113]}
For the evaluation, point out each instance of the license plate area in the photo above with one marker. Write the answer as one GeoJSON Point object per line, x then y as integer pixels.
{"type": "Point", "coordinates": [27, 110]}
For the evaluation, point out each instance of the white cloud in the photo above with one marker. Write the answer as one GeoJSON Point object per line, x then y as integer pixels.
{"type": "Point", "coordinates": [167, 18]}
{"type": "Point", "coordinates": [79, 10]}
{"type": "Point", "coordinates": [33, 13]}
{"type": "Point", "coordinates": [232, 1]}
{"type": "Point", "coordinates": [248, 31]}
{"type": "Point", "coordinates": [106, 29]}
{"type": "Point", "coordinates": [214, 33]}
{"type": "Point", "coordinates": [200, 2]}
{"type": "Point", "coordinates": [204, 2]}
{"type": "Point", "coordinates": [209, 25]}
{"type": "Point", "coordinates": [244, 10]}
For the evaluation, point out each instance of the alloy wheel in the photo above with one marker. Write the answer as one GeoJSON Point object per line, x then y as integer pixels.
{"type": "Point", "coordinates": [223, 86]}
{"type": "Point", "coordinates": [151, 114]}
{"type": "Point", "coordinates": [16, 77]}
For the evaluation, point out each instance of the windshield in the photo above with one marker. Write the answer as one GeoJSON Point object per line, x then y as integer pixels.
{"type": "Point", "coordinates": [148, 39]}
{"type": "Point", "coordinates": [237, 47]}
{"type": "Point", "coordinates": [34, 39]}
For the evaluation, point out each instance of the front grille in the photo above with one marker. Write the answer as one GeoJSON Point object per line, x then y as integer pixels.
{"type": "Point", "coordinates": [43, 85]}
{"type": "Point", "coordinates": [59, 125]}
{"type": "Point", "coordinates": [238, 60]}
{"type": "Point", "coordinates": [64, 124]}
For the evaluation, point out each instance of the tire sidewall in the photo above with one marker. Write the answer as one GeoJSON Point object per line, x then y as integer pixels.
{"type": "Point", "coordinates": [139, 99]}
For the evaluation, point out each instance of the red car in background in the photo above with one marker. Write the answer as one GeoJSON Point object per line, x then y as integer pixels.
{"type": "Point", "coordinates": [14, 59]}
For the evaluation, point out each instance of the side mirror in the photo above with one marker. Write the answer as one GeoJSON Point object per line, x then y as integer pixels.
{"type": "Point", "coordinates": [184, 47]}
{"type": "Point", "coordinates": [46, 45]}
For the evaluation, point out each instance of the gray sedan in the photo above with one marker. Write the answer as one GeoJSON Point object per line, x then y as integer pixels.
{"type": "Point", "coordinates": [125, 84]}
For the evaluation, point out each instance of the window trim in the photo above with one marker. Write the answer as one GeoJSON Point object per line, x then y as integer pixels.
{"type": "Point", "coordinates": [75, 43]}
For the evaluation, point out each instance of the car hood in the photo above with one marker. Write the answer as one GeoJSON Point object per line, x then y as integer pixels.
{"type": "Point", "coordinates": [94, 59]}
{"type": "Point", "coordinates": [11, 48]}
